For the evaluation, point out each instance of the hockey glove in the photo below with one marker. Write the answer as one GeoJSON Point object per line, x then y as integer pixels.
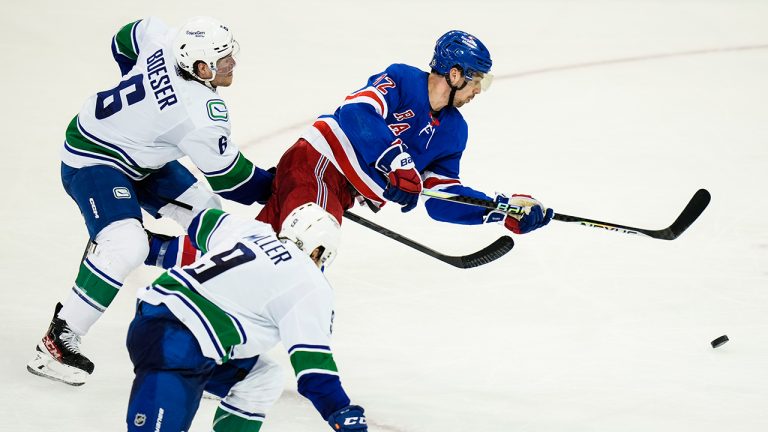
{"type": "Point", "coordinates": [534, 217]}
{"type": "Point", "coordinates": [404, 185]}
{"type": "Point", "coordinates": [349, 419]}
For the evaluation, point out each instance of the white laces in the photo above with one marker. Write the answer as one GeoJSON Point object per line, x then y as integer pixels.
{"type": "Point", "coordinates": [70, 340]}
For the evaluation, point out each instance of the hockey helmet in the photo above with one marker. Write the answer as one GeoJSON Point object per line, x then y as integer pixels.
{"type": "Point", "coordinates": [203, 39]}
{"type": "Point", "coordinates": [311, 227]}
{"type": "Point", "coordinates": [460, 49]}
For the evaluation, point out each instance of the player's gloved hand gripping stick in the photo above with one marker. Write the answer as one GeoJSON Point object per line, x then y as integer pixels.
{"type": "Point", "coordinates": [404, 180]}
{"type": "Point", "coordinates": [690, 213]}
{"type": "Point", "coordinates": [533, 214]}
{"type": "Point", "coordinates": [349, 419]}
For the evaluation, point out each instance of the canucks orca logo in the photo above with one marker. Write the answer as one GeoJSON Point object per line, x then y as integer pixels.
{"type": "Point", "coordinates": [217, 110]}
{"type": "Point", "coordinates": [121, 193]}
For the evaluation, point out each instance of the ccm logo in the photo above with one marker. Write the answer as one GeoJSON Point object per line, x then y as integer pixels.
{"type": "Point", "coordinates": [93, 207]}
{"type": "Point", "coordinates": [349, 421]}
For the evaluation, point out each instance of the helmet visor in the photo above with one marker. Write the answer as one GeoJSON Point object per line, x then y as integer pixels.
{"type": "Point", "coordinates": [485, 81]}
{"type": "Point", "coordinates": [481, 80]}
{"type": "Point", "coordinates": [226, 64]}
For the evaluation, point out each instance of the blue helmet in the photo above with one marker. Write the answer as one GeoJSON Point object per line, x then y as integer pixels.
{"type": "Point", "coordinates": [458, 48]}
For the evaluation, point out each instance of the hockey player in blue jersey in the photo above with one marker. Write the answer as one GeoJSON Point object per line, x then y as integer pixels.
{"type": "Point", "coordinates": [398, 134]}
{"type": "Point", "coordinates": [208, 326]}
{"type": "Point", "coordinates": [120, 156]}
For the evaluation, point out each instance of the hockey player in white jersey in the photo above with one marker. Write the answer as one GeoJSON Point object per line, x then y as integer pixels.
{"type": "Point", "coordinates": [120, 156]}
{"type": "Point", "coordinates": [207, 326]}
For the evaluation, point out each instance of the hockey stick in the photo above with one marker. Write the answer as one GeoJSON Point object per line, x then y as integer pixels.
{"type": "Point", "coordinates": [690, 213]}
{"type": "Point", "coordinates": [492, 252]}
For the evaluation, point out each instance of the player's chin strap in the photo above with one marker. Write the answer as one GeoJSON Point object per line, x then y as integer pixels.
{"type": "Point", "coordinates": [454, 88]}
{"type": "Point", "coordinates": [206, 82]}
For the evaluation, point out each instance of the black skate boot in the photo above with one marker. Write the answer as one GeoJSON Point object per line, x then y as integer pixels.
{"type": "Point", "coordinates": [58, 355]}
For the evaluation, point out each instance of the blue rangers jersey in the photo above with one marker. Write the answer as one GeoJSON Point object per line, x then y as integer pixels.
{"type": "Point", "coordinates": [394, 108]}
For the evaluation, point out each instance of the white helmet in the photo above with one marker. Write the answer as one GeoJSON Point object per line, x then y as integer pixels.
{"type": "Point", "coordinates": [203, 39]}
{"type": "Point", "coordinates": [310, 227]}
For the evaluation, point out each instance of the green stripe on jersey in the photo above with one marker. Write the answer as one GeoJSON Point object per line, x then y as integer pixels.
{"type": "Point", "coordinates": [225, 330]}
{"type": "Point", "coordinates": [208, 221]}
{"type": "Point", "coordinates": [317, 361]}
{"type": "Point", "coordinates": [241, 171]}
{"type": "Point", "coordinates": [226, 421]}
{"type": "Point", "coordinates": [124, 39]}
{"type": "Point", "coordinates": [95, 287]}
{"type": "Point", "coordinates": [78, 141]}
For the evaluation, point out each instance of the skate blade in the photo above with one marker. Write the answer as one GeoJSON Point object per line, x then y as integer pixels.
{"type": "Point", "coordinates": [47, 367]}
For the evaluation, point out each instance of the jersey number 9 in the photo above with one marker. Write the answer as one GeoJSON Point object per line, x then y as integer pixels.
{"type": "Point", "coordinates": [221, 262]}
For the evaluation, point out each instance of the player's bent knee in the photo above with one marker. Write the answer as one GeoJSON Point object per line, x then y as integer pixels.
{"type": "Point", "coordinates": [260, 389]}
{"type": "Point", "coordinates": [120, 247]}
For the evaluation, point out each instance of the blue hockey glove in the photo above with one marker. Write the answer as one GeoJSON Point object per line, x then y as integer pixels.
{"type": "Point", "coordinates": [349, 419]}
{"type": "Point", "coordinates": [535, 216]}
{"type": "Point", "coordinates": [167, 251]}
{"type": "Point", "coordinates": [404, 185]}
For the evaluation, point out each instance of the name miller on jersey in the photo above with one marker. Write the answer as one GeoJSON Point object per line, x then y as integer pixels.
{"type": "Point", "coordinates": [277, 252]}
{"type": "Point", "coordinates": [156, 66]}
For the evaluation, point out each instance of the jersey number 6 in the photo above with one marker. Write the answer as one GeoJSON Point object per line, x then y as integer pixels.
{"type": "Point", "coordinates": [110, 102]}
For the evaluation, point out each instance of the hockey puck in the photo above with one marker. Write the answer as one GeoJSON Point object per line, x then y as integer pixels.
{"type": "Point", "coordinates": [719, 341]}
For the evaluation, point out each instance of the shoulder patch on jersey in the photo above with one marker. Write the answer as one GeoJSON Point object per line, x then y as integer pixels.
{"type": "Point", "coordinates": [217, 110]}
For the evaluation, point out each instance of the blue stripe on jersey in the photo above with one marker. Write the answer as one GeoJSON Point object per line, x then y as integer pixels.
{"type": "Point", "coordinates": [181, 279]}
{"type": "Point", "coordinates": [134, 39]}
{"type": "Point", "coordinates": [104, 143]}
{"type": "Point", "coordinates": [124, 62]}
{"type": "Point", "coordinates": [297, 346]}
{"type": "Point", "coordinates": [118, 164]}
{"type": "Point", "coordinates": [173, 272]}
{"type": "Point", "coordinates": [218, 224]}
{"type": "Point", "coordinates": [194, 227]}
{"type": "Point", "coordinates": [252, 416]}
{"type": "Point", "coordinates": [240, 328]}
{"type": "Point", "coordinates": [219, 349]}
{"type": "Point", "coordinates": [217, 172]}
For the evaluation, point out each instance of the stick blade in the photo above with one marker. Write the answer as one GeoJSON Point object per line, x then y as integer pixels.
{"type": "Point", "coordinates": [490, 253]}
{"type": "Point", "coordinates": [691, 212]}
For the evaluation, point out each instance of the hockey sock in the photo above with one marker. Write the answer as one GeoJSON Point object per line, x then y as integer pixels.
{"type": "Point", "coordinates": [234, 420]}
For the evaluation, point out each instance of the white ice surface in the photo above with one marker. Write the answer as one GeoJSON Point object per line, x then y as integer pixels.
{"type": "Point", "coordinates": [574, 330]}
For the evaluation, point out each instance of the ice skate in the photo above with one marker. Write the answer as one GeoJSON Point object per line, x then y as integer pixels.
{"type": "Point", "coordinates": [58, 355]}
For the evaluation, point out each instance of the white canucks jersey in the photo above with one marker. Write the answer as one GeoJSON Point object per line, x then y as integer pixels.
{"type": "Point", "coordinates": [154, 116]}
{"type": "Point", "coordinates": [248, 292]}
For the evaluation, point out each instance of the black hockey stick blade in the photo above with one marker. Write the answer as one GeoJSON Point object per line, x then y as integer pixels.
{"type": "Point", "coordinates": [690, 213]}
{"type": "Point", "coordinates": [490, 253]}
